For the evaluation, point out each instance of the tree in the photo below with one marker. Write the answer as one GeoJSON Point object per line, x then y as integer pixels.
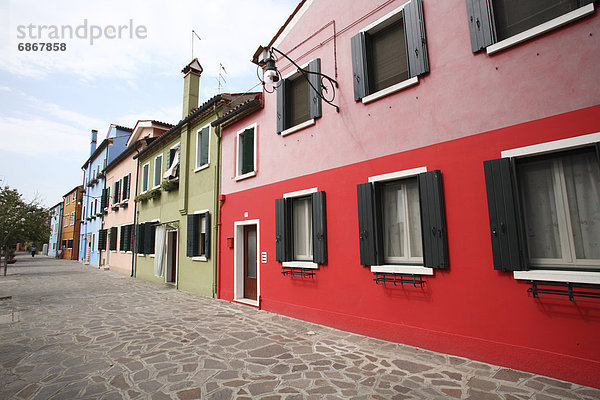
{"type": "Point", "coordinates": [21, 221]}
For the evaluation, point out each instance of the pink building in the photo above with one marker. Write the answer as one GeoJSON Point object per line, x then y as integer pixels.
{"type": "Point", "coordinates": [117, 235]}
{"type": "Point", "coordinates": [455, 189]}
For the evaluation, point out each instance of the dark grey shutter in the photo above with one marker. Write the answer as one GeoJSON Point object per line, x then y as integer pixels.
{"type": "Point", "coordinates": [126, 233]}
{"type": "Point", "coordinates": [319, 223]}
{"type": "Point", "coordinates": [113, 238]}
{"type": "Point", "coordinates": [207, 234]}
{"type": "Point", "coordinates": [366, 224]}
{"type": "Point", "coordinates": [102, 239]}
{"type": "Point", "coordinates": [104, 199]}
{"type": "Point", "coordinates": [204, 146]}
{"type": "Point", "coordinates": [281, 109]}
{"type": "Point", "coordinates": [139, 238]}
{"type": "Point", "coordinates": [282, 230]}
{"type": "Point", "coordinates": [192, 235]}
{"type": "Point", "coordinates": [314, 89]}
{"type": "Point", "coordinates": [416, 43]}
{"type": "Point", "coordinates": [358, 44]}
{"type": "Point", "coordinates": [247, 143]}
{"type": "Point", "coordinates": [122, 239]}
{"type": "Point", "coordinates": [149, 232]}
{"type": "Point", "coordinates": [433, 220]}
{"type": "Point", "coordinates": [481, 24]}
{"type": "Point", "coordinates": [116, 192]}
{"type": "Point", "coordinates": [128, 185]}
{"type": "Point", "coordinates": [508, 246]}
{"type": "Point", "coordinates": [169, 158]}
{"type": "Point", "coordinates": [125, 194]}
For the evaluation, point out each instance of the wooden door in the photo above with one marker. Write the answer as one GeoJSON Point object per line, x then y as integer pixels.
{"type": "Point", "coordinates": [250, 262]}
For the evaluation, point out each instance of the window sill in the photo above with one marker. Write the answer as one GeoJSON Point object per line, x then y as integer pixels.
{"type": "Point", "coordinates": [541, 29]}
{"type": "Point", "coordinates": [153, 187]}
{"type": "Point", "coordinates": [402, 269]}
{"type": "Point", "coordinates": [559, 276]}
{"type": "Point", "coordinates": [298, 127]}
{"type": "Point", "coordinates": [300, 264]}
{"type": "Point", "coordinates": [245, 176]}
{"type": "Point", "coordinates": [151, 255]}
{"type": "Point", "coordinates": [140, 255]}
{"type": "Point", "coordinates": [392, 89]}
{"type": "Point", "coordinates": [199, 258]}
{"type": "Point", "coordinates": [200, 168]}
{"type": "Point", "coordinates": [249, 302]}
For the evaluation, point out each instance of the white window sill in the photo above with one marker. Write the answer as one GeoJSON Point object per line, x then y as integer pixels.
{"type": "Point", "coordinates": [250, 302]}
{"type": "Point", "coordinates": [200, 168]}
{"type": "Point", "coordinates": [559, 276]}
{"type": "Point", "coordinates": [152, 255]}
{"type": "Point", "coordinates": [392, 89]}
{"type": "Point", "coordinates": [122, 252]}
{"type": "Point", "coordinates": [113, 251]}
{"type": "Point", "coordinates": [199, 258]}
{"type": "Point", "coordinates": [298, 127]}
{"type": "Point", "coordinates": [246, 175]}
{"type": "Point", "coordinates": [541, 29]}
{"type": "Point", "coordinates": [402, 269]}
{"type": "Point", "coordinates": [141, 255]}
{"type": "Point", "coordinates": [300, 264]}
{"type": "Point", "coordinates": [153, 187]}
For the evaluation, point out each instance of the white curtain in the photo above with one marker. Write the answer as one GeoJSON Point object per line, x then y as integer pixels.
{"type": "Point", "coordinates": [159, 249]}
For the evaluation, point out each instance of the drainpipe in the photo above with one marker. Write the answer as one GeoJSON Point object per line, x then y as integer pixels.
{"type": "Point", "coordinates": [135, 216]}
{"type": "Point", "coordinates": [218, 203]}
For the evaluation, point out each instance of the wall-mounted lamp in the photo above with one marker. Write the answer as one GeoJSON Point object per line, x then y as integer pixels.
{"type": "Point", "coordinates": [272, 75]}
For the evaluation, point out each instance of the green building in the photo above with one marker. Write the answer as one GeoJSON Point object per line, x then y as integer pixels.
{"type": "Point", "coordinates": [177, 194]}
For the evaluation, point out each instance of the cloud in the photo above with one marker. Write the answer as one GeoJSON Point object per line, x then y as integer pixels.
{"type": "Point", "coordinates": [5, 89]}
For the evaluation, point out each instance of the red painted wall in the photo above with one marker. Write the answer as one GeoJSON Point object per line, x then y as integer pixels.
{"type": "Point", "coordinates": [469, 309]}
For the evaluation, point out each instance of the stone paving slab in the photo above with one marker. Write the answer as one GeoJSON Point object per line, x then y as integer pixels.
{"type": "Point", "coordinates": [86, 333]}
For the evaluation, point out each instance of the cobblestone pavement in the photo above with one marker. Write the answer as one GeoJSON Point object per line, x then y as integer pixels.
{"type": "Point", "coordinates": [70, 331]}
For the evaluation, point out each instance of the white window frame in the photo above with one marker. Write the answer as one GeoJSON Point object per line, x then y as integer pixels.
{"type": "Point", "coordinates": [68, 200]}
{"type": "Point", "coordinates": [374, 27]}
{"type": "Point", "coordinates": [566, 275]}
{"type": "Point", "coordinates": [399, 268]}
{"type": "Point", "coordinates": [541, 29]}
{"type": "Point", "coordinates": [198, 138]}
{"type": "Point", "coordinates": [238, 164]}
{"type": "Point", "coordinates": [201, 258]}
{"type": "Point", "coordinates": [300, 264]}
{"type": "Point", "coordinates": [160, 172]}
{"type": "Point", "coordinates": [66, 222]}
{"type": "Point", "coordinates": [72, 217]}
{"type": "Point", "coordinates": [146, 167]}
{"type": "Point", "coordinates": [238, 263]}
{"type": "Point", "coordinates": [168, 167]}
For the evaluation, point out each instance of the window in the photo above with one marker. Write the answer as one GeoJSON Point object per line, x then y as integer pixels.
{"type": "Point", "coordinates": [300, 229]}
{"type": "Point", "coordinates": [246, 152]}
{"type": "Point", "coordinates": [73, 218]}
{"type": "Point", "coordinates": [203, 147]}
{"type": "Point", "coordinates": [67, 200]}
{"type": "Point", "coordinates": [157, 171]}
{"type": "Point", "coordinates": [497, 24]}
{"type": "Point", "coordinates": [74, 194]}
{"type": "Point", "coordinates": [298, 101]}
{"type": "Point", "coordinates": [66, 220]}
{"type": "Point", "coordinates": [112, 244]}
{"type": "Point", "coordinates": [70, 244]}
{"type": "Point", "coordinates": [198, 235]}
{"type": "Point", "coordinates": [144, 238]}
{"type": "Point", "coordinates": [64, 244]}
{"type": "Point", "coordinates": [126, 187]}
{"type": "Point", "coordinates": [117, 192]}
{"type": "Point", "coordinates": [402, 223]}
{"type": "Point", "coordinates": [545, 210]}
{"type": "Point", "coordinates": [145, 172]}
{"type": "Point", "coordinates": [95, 206]}
{"type": "Point", "coordinates": [390, 54]}
{"type": "Point", "coordinates": [126, 237]}
{"type": "Point", "coordinates": [104, 199]}
{"type": "Point", "coordinates": [173, 156]}
{"type": "Point", "coordinates": [93, 242]}
{"type": "Point", "coordinates": [102, 234]}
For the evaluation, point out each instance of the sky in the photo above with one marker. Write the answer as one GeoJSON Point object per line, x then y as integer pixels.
{"type": "Point", "coordinates": [121, 63]}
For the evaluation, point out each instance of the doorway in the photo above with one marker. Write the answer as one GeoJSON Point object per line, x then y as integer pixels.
{"type": "Point", "coordinates": [247, 262]}
{"type": "Point", "coordinates": [171, 261]}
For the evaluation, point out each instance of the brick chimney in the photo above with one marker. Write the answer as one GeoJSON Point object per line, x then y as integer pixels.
{"type": "Point", "coordinates": [93, 143]}
{"type": "Point", "coordinates": [191, 86]}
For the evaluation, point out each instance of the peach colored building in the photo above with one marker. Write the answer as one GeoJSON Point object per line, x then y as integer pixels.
{"type": "Point", "coordinates": [71, 221]}
{"type": "Point", "coordinates": [117, 201]}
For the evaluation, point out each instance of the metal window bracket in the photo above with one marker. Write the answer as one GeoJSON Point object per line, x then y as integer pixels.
{"type": "Point", "coordinates": [383, 278]}
{"type": "Point", "coordinates": [568, 289]}
{"type": "Point", "coordinates": [300, 272]}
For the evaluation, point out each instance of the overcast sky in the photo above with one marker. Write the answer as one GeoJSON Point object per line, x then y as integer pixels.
{"type": "Point", "coordinates": [51, 100]}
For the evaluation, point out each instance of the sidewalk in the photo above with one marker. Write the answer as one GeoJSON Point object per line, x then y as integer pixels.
{"type": "Point", "coordinates": [70, 331]}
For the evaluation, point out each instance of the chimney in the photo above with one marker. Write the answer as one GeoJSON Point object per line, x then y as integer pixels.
{"type": "Point", "coordinates": [93, 144]}
{"type": "Point", "coordinates": [191, 86]}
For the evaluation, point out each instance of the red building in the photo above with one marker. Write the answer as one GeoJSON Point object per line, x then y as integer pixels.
{"type": "Point", "coordinates": [458, 184]}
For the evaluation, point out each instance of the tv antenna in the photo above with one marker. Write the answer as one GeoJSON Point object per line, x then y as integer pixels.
{"type": "Point", "coordinates": [221, 77]}
{"type": "Point", "coordinates": [194, 34]}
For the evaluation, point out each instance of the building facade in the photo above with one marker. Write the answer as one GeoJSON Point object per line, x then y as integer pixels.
{"type": "Point", "coordinates": [117, 201]}
{"type": "Point", "coordinates": [455, 188]}
{"type": "Point", "coordinates": [56, 223]}
{"type": "Point", "coordinates": [94, 185]}
{"type": "Point", "coordinates": [71, 224]}
{"type": "Point", "coordinates": [177, 198]}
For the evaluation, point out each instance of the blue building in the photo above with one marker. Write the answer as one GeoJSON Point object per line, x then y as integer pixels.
{"type": "Point", "coordinates": [56, 217]}
{"type": "Point", "coordinates": [94, 187]}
